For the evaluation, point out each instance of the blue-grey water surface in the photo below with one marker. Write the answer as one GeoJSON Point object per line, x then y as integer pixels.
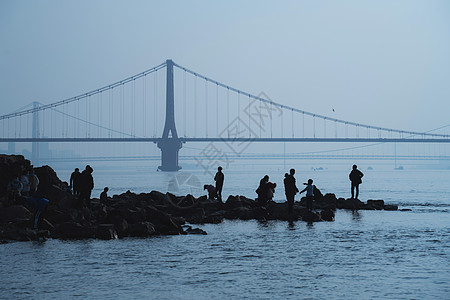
{"type": "Point", "coordinates": [361, 255]}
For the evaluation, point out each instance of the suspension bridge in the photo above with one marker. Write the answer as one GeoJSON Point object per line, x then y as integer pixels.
{"type": "Point", "coordinates": [207, 111]}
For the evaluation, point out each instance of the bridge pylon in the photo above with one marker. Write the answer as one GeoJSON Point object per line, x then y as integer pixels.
{"type": "Point", "coordinates": [35, 134]}
{"type": "Point", "coordinates": [169, 144]}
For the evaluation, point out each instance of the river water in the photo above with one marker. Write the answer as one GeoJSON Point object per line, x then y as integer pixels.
{"type": "Point", "coordinates": [361, 255]}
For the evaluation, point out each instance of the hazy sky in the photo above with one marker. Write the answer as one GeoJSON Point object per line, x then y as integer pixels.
{"type": "Point", "coordinates": [383, 63]}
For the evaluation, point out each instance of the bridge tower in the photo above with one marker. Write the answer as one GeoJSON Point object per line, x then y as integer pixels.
{"type": "Point", "coordinates": [35, 134]}
{"type": "Point", "coordinates": [169, 144]}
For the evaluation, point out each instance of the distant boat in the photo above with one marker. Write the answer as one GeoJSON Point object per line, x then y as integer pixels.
{"type": "Point", "coordinates": [369, 168]}
{"type": "Point", "coordinates": [399, 168]}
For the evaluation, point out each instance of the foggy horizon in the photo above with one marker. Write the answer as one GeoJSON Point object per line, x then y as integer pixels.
{"type": "Point", "coordinates": [378, 63]}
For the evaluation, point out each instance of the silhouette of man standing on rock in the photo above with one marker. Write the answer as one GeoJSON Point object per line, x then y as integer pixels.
{"type": "Point", "coordinates": [355, 177]}
{"type": "Point", "coordinates": [86, 184]}
{"type": "Point", "coordinates": [74, 181]}
{"type": "Point", "coordinates": [290, 189]}
{"type": "Point", "coordinates": [219, 178]}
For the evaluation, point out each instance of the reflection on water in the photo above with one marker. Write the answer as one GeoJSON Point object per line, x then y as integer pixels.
{"type": "Point", "coordinates": [356, 216]}
{"type": "Point", "coordinates": [385, 255]}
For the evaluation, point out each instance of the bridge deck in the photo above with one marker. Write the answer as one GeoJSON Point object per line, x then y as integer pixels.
{"type": "Point", "coordinates": [230, 140]}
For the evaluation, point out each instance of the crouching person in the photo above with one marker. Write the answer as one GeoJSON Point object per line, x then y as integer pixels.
{"type": "Point", "coordinates": [40, 206]}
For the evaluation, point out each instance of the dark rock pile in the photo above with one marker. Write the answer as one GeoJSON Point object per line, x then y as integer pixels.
{"type": "Point", "coordinates": [141, 215]}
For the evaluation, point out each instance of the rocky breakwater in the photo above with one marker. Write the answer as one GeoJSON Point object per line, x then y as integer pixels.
{"type": "Point", "coordinates": [142, 215]}
{"type": "Point", "coordinates": [65, 218]}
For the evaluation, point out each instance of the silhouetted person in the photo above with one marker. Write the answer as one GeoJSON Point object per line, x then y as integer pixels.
{"type": "Point", "coordinates": [263, 190]}
{"type": "Point", "coordinates": [86, 184]}
{"type": "Point", "coordinates": [219, 183]}
{"type": "Point", "coordinates": [290, 189]}
{"type": "Point", "coordinates": [40, 206]}
{"type": "Point", "coordinates": [309, 194]}
{"type": "Point", "coordinates": [75, 181]}
{"type": "Point", "coordinates": [211, 191]}
{"type": "Point", "coordinates": [355, 177]}
{"type": "Point", "coordinates": [104, 195]}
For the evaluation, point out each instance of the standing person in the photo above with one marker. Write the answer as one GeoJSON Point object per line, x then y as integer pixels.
{"type": "Point", "coordinates": [309, 194]}
{"type": "Point", "coordinates": [74, 181]}
{"type": "Point", "coordinates": [86, 184]}
{"type": "Point", "coordinates": [355, 177]}
{"type": "Point", "coordinates": [219, 183]}
{"type": "Point", "coordinates": [290, 189]}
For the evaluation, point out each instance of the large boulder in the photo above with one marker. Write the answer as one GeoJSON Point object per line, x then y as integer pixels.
{"type": "Point", "coordinates": [106, 232]}
{"type": "Point", "coordinates": [14, 213]}
{"type": "Point", "coordinates": [326, 202]}
{"type": "Point", "coordinates": [375, 204]}
{"type": "Point", "coordinates": [73, 230]}
{"type": "Point", "coordinates": [390, 207]}
{"type": "Point", "coordinates": [141, 229]}
{"type": "Point", "coordinates": [350, 203]}
{"type": "Point", "coordinates": [327, 215]}
{"type": "Point", "coordinates": [120, 224]}
{"type": "Point", "coordinates": [243, 213]}
{"type": "Point", "coordinates": [309, 216]}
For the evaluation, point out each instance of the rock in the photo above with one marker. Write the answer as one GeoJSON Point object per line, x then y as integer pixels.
{"type": "Point", "coordinates": [163, 222]}
{"type": "Point", "coordinates": [158, 197]}
{"type": "Point", "coordinates": [55, 216]}
{"type": "Point", "coordinates": [390, 207]}
{"type": "Point", "coordinates": [195, 217]}
{"type": "Point", "coordinates": [243, 213]}
{"type": "Point", "coordinates": [233, 202]}
{"type": "Point", "coordinates": [73, 230]}
{"type": "Point", "coordinates": [15, 212]}
{"type": "Point", "coordinates": [327, 215]}
{"type": "Point", "coordinates": [106, 232]}
{"type": "Point", "coordinates": [310, 216]}
{"type": "Point", "coordinates": [190, 230]}
{"type": "Point", "coordinates": [326, 202]}
{"type": "Point", "coordinates": [133, 215]}
{"type": "Point", "coordinates": [141, 229]}
{"type": "Point", "coordinates": [277, 211]}
{"type": "Point", "coordinates": [46, 225]}
{"type": "Point", "coordinates": [375, 204]}
{"type": "Point", "coordinates": [349, 203]}
{"type": "Point", "coordinates": [120, 224]}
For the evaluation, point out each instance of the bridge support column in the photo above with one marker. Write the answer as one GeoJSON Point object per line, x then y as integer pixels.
{"type": "Point", "coordinates": [169, 144]}
{"type": "Point", "coordinates": [35, 134]}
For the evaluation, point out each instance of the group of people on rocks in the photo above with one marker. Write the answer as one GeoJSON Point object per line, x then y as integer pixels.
{"type": "Point", "coordinates": [23, 189]}
{"type": "Point", "coordinates": [266, 189]}
{"type": "Point", "coordinates": [82, 184]}
{"type": "Point", "coordinates": [23, 185]}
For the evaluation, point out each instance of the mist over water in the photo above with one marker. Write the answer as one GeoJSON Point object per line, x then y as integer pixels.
{"type": "Point", "coordinates": [364, 254]}
{"type": "Point", "coordinates": [337, 69]}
